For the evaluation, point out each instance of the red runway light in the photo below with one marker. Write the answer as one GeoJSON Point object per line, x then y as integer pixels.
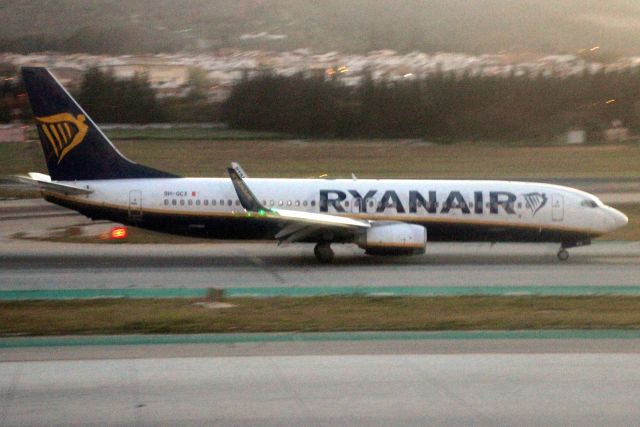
{"type": "Point", "coordinates": [118, 233]}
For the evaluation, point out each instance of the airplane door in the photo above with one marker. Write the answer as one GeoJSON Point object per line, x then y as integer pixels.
{"type": "Point", "coordinates": [135, 204]}
{"type": "Point", "coordinates": [557, 207]}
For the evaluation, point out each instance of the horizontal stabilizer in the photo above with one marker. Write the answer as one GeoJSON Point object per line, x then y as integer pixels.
{"type": "Point", "coordinates": [43, 182]}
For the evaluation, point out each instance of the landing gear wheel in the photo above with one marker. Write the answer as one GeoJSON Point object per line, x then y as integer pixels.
{"type": "Point", "coordinates": [323, 253]}
{"type": "Point", "coordinates": [563, 255]}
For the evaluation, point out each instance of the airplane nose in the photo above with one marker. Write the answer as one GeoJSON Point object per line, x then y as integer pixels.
{"type": "Point", "coordinates": [619, 219]}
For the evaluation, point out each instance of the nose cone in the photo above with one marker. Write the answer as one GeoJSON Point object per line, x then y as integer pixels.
{"type": "Point", "coordinates": [617, 218]}
{"type": "Point", "coordinates": [620, 218]}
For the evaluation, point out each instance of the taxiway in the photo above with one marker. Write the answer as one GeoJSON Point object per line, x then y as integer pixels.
{"type": "Point", "coordinates": [542, 382]}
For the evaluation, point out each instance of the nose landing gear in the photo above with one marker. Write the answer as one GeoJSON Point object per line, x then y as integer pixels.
{"type": "Point", "coordinates": [323, 252]}
{"type": "Point", "coordinates": [563, 255]}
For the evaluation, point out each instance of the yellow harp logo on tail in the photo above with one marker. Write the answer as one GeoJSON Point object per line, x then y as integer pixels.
{"type": "Point", "coordinates": [63, 131]}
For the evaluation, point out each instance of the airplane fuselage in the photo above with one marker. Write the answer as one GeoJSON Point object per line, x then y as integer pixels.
{"type": "Point", "coordinates": [451, 210]}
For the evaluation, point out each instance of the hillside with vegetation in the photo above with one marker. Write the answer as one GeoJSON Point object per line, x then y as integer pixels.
{"type": "Point", "coordinates": [441, 107]}
{"type": "Point", "coordinates": [139, 26]}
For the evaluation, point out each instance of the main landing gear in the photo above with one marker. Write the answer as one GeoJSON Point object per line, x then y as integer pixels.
{"type": "Point", "coordinates": [323, 252]}
{"type": "Point", "coordinates": [563, 255]}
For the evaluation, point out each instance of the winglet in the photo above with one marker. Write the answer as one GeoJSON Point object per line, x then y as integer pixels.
{"type": "Point", "coordinates": [251, 203]}
{"type": "Point", "coordinates": [247, 199]}
{"type": "Point", "coordinates": [239, 169]}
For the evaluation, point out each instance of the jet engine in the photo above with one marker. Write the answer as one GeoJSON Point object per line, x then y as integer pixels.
{"type": "Point", "coordinates": [393, 239]}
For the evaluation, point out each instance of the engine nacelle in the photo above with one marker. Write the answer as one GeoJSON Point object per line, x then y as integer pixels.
{"type": "Point", "coordinates": [393, 239]}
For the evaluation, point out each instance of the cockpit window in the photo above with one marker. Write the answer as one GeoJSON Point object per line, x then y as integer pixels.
{"type": "Point", "coordinates": [589, 204]}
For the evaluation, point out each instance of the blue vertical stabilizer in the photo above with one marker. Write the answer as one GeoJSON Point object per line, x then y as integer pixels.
{"type": "Point", "coordinates": [74, 147]}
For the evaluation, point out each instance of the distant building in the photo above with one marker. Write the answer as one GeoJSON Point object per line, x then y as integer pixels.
{"type": "Point", "coordinates": [219, 93]}
{"type": "Point", "coordinates": [69, 77]}
{"type": "Point", "coordinates": [616, 133]}
{"type": "Point", "coordinates": [159, 74]}
{"type": "Point", "coordinates": [576, 136]}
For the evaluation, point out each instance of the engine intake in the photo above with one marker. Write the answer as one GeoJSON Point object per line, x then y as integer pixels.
{"type": "Point", "coordinates": [393, 239]}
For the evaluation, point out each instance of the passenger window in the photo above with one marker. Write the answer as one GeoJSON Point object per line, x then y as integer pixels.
{"type": "Point", "coordinates": [305, 203]}
{"type": "Point", "coordinates": [229, 202]}
{"type": "Point", "coordinates": [198, 202]}
{"type": "Point", "coordinates": [271, 202]}
{"type": "Point", "coordinates": [166, 202]}
{"type": "Point", "coordinates": [181, 202]}
{"type": "Point", "coordinates": [280, 203]}
{"type": "Point", "coordinates": [346, 204]}
{"type": "Point", "coordinates": [174, 202]}
{"type": "Point", "coordinates": [297, 202]}
{"type": "Point", "coordinates": [221, 202]}
{"type": "Point", "coordinates": [206, 202]}
{"type": "Point", "coordinates": [237, 202]}
{"type": "Point", "coordinates": [190, 202]}
{"type": "Point", "coordinates": [313, 203]}
{"type": "Point", "coordinates": [213, 203]}
{"type": "Point", "coordinates": [288, 202]}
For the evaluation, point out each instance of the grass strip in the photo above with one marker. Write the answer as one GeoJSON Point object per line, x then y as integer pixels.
{"type": "Point", "coordinates": [318, 314]}
{"type": "Point", "coordinates": [367, 159]}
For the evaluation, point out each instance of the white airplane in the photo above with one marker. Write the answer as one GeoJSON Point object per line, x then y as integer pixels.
{"type": "Point", "coordinates": [383, 217]}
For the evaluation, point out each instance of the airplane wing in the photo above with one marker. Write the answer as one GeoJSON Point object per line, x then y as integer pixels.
{"type": "Point", "coordinates": [43, 182]}
{"type": "Point", "coordinates": [298, 224]}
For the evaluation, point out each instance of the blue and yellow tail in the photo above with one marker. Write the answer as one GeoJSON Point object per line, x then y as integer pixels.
{"type": "Point", "coordinates": [75, 148]}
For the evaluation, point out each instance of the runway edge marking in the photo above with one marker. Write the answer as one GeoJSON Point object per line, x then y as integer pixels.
{"type": "Point", "coordinates": [182, 339]}
{"type": "Point", "coordinates": [291, 291]}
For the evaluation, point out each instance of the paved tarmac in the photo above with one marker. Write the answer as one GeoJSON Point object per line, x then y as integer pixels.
{"type": "Point", "coordinates": [539, 382]}
{"type": "Point", "coordinates": [26, 264]}
{"type": "Point", "coordinates": [40, 265]}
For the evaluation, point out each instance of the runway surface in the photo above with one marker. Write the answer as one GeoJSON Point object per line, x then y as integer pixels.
{"type": "Point", "coordinates": [71, 266]}
{"type": "Point", "coordinates": [26, 264]}
{"type": "Point", "coordinates": [539, 382]}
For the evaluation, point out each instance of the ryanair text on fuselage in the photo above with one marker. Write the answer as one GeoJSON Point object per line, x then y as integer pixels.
{"type": "Point", "coordinates": [505, 200]}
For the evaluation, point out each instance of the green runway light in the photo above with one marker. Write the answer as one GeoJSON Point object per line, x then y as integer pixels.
{"type": "Point", "coordinates": [261, 212]}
